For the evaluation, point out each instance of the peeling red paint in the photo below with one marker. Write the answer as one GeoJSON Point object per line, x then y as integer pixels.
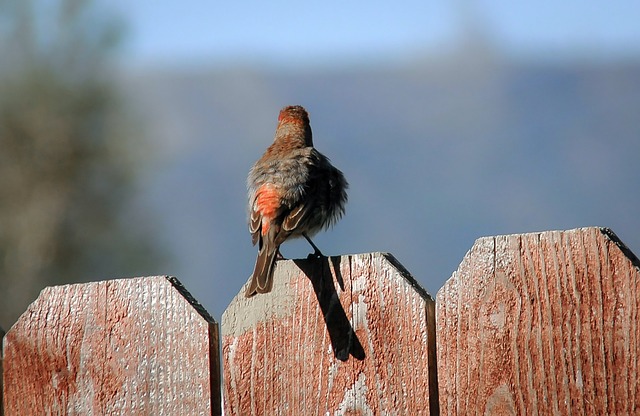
{"type": "Point", "coordinates": [541, 323]}
{"type": "Point", "coordinates": [287, 364]}
{"type": "Point", "coordinates": [130, 346]}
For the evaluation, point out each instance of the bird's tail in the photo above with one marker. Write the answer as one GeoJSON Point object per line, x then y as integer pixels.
{"type": "Point", "coordinates": [262, 277]}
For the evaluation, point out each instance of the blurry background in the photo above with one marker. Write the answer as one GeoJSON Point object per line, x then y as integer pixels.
{"type": "Point", "coordinates": [127, 130]}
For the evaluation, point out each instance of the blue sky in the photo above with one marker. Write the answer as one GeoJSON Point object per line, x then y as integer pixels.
{"type": "Point", "coordinates": [283, 32]}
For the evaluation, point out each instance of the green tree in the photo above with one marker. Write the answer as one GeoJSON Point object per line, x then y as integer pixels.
{"type": "Point", "coordinates": [66, 152]}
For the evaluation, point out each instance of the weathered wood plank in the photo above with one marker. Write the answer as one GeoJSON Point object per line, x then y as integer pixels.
{"type": "Point", "coordinates": [1, 372]}
{"type": "Point", "coordinates": [543, 323]}
{"type": "Point", "coordinates": [130, 346]}
{"type": "Point", "coordinates": [343, 335]}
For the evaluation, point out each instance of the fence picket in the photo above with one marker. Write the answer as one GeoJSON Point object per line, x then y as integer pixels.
{"type": "Point", "coordinates": [129, 346]}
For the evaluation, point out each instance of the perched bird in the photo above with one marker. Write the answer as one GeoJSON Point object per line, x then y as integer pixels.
{"type": "Point", "coordinates": [293, 191]}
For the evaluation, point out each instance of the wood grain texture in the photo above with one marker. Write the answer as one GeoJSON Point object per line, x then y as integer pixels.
{"type": "Point", "coordinates": [131, 346]}
{"type": "Point", "coordinates": [541, 324]}
{"type": "Point", "coordinates": [1, 371]}
{"type": "Point", "coordinates": [338, 336]}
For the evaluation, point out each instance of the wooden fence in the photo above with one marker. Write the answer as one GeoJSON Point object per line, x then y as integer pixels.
{"type": "Point", "coordinates": [541, 323]}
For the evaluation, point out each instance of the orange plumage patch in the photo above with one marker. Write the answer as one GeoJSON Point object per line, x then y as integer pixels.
{"type": "Point", "coordinates": [287, 119]}
{"type": "Point", "coordinates": [267, 203]}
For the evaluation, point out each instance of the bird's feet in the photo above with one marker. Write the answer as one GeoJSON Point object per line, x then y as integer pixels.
{"type": "Point", "coordinates": [316, 251]}
{"type": "Point", "coordinates": [315, 255]}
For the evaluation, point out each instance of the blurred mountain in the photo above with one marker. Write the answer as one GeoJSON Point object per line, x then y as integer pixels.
{"type": "Point", "coordinates": [438, 152]}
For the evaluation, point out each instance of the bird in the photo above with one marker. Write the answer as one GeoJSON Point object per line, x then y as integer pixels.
{"type": "Point", "coordinates": [293, 191]}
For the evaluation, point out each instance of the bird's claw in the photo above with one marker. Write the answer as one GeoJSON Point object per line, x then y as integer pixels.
{"type": "Point", "coordinates": [316, 251]}
{"type": "Point", "coordinates": [317, 254]}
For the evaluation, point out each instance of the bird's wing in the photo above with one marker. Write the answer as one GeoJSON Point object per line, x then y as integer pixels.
{"type": "Point", "coordinates": [255, 224]}
{"type": "Point", "coordinates": [299, 214]}
{"type": "Point", "coordinates": [265, 209]}
{"type": "Point", "coordinates": [295, 216]}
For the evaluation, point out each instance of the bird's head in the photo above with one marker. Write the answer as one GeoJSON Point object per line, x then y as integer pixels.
{"type": "Point", "coordinates": [295, 118]}
{"type": "Point", "coordinates": [293, 114]}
